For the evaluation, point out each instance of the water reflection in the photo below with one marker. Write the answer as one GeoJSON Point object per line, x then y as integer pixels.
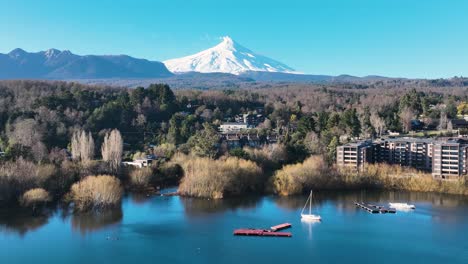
{"type": "Point", "coordinates": [344, 200]}
{"type": "Point", "coordinates": [91, 221]}
{"type": "Point", "coordinates": [308, 224]}
{"type": "Point", "coordinates": [141, 198]}
{"type": "Point", "coordinates": [22, 220]}
{"type": "Point", "coordinates": [197, 206]}
{"type": "Point", "coordinates": [439, 208]}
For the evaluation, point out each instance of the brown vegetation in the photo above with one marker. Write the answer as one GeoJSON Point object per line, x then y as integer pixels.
{"type": "Point", "coordinates": [268, 157]}
{"type": "Point", "coordinates": [18, 176]}
{"type": "Point", "coordinates": [205, 177]}
{"type": "Point", "coordinates": [96, 192]}
{"type": "Point", "coordinates": [314, 174]}
{"type": "Point", "coordinates": [35, 197]}
{"type": "Point", "coordinates": [294, 179]}
{"type": "Point", "coordinates": [141, 177]}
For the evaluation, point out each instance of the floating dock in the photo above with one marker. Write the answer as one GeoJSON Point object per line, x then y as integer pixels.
{"type": "Point", "coordinates": [260, 232]}
{"type": "Point", "coordinates": [280, 227]}
{"type": "Point", "coordinates": [375, 209]}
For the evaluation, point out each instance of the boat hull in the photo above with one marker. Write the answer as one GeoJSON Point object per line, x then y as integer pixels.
{"type": "Point", "coordinates": [402, 206]}
{"type": "Point", "coordinates": [311, 217]}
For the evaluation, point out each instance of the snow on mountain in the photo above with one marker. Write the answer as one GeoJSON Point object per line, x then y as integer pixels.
{"type": "Point", "coordinates": [227, 57]}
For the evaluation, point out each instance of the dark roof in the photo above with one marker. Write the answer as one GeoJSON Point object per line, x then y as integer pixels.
{"type": "Point", "coordinates": [459, 122]}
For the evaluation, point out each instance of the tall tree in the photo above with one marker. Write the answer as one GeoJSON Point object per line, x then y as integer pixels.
{"type": "Point", "coordinates": [112, 149]}
{"type": "Point", "coordinates": [82, 146]}
{"type": "Point", "coordinates": [205, 142]}
{"type": "Point", "coordinates": [378, 123]}
{"type": "Point", "coordinates": [406, 116]}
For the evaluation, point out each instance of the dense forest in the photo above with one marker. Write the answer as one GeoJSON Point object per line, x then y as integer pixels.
{"type": "Point", "coordinates": [38, 119]}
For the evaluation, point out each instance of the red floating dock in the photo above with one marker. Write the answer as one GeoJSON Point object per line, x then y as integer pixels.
{"type": "Point", "coordinates": [280, 227]}
{"type": "Point", "coordinates": [260, 232]}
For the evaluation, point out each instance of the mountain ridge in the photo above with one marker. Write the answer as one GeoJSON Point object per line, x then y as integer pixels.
{"type": "Point", "coordinates": [56, 64]}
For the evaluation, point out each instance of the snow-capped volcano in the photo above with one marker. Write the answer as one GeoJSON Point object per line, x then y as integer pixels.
{"type": "Point", "coordinates": [228, 57]}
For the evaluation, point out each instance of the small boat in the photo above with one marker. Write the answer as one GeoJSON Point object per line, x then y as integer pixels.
{"type": "Point", "coordinates": [402, 206]}
{"type": "Point", "coordinates": [309, 216]}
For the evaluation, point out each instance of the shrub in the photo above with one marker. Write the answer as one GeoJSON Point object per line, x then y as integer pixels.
{"type": "Point", "coordinates": [18, 176]}
{"type": "Point", "coordinates": [293, 179]}
{"type": "Point", "coordinates": [270, 157]}
{"type": "Point", "coordinates": [34, 197]}
{"type": "Point", "coordinates": [169, 173]}
{"type": "Point", "coordinates": [205, 177]}
{"type": "Point", "coordinates": [96, 192]}
{"type": "Point", "coordinates": [140, 178]}
{"type": "Point", "coordinates": [166, 150]}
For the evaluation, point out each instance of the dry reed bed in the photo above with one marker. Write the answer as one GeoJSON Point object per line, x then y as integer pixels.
{"type": "Point", "coordinates": [314, 174]}
{"type": "Point", "coordinates": [204, 177]}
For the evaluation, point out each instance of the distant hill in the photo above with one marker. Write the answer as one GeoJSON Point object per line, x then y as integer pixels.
{"type": "Point", "coordinates": [56, 64]}
{"type": "Point", "coordinates": [263, 76]}
{"type": "Point", "coordinates": [190, 80]}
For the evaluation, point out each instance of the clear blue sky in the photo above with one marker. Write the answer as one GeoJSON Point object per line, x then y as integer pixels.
{"type": "Point", "coordinates": [407, 38]}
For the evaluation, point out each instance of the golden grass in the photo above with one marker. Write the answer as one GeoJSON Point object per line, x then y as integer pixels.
{"type": "Point", "coordinates": [314, 174]}
{"type": "Point", "coordinates": [96, 192]}
{"type": "Point", "coordinates": [292, 179]}
{"type": "Point", "coordinates": [205, 177]}
{"type": "Point", "coordinates": [34, 197]}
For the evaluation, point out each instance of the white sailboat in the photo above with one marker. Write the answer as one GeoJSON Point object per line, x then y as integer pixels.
{"type": "Point", "coordinates": [309, 216]}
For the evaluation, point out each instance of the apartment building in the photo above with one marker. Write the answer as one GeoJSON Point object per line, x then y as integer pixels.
{"type": "Point", "coordinates": [355, 155]}
{"type": "Point", "coordinates": [445, 158]}
{"type": "Point", "coordinates": [450, 159]}
{"type": "Point", "coordinates": [411, 152]}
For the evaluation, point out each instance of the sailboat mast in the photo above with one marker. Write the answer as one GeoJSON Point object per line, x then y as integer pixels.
{"type": "Point", "coordinates": [310, 205]}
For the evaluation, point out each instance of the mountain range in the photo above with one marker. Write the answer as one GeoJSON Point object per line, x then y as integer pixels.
{"type": "Point", "coordinates": [56, 64]}
{"type": "Point", "coordinates": [227, 64]}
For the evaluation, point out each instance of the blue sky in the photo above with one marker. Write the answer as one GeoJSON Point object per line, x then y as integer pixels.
{"type": "Point", "coordinates": [405, 38]}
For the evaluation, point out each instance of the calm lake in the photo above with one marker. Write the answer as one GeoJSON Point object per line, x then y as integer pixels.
{"type": "Point", "coordinates": [183, 230]}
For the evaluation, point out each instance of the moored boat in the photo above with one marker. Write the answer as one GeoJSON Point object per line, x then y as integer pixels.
{"type": "Point", "coordinates": [402, 206]}
{"type": "Point", "coordinates": [309, 217]}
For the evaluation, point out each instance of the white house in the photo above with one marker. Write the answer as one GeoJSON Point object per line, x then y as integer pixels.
{"type": "Point", "coordinates": [139, 163]}
{"type": "Point", "coordinates": [232, 127]}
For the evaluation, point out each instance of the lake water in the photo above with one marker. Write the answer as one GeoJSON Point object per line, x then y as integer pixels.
{"type": "Point", "coordinates": [184, 230]}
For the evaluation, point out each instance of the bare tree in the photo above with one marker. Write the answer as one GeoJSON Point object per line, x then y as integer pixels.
{"type": "Point", "coordinates": [378, 123]}
{"type": "Point", "coordinates": [406, 116]}
{"type": "Point", "coordinates": [450, 126]}
{"type": "Point", "coordinates": [87, 148]}
{"type": "Point", "coordinates": [112, 149]}
{"type": "Point", "coordinates": [443, 121]}
{"type": "Point", "coordinates": [312, 142]}
{"type": "Point", "coordinates": [75, 145]}
{"type": "Point", "coordinates": [82, 146]}
{"type": "Point", "coordinates": [39, 151]}
{"type": "Point", "coordinates": [25, 132]}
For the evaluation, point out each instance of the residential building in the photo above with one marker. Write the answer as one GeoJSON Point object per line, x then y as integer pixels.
{"type": "Point", "coordinates": [239, 140]}
{"type": "Point", "coordinates": [355, 155]}
{"type": "Point", "coordinates": [459, 123]}
{"type": "Point", "coordinates": [411, 152]}
{"type": "Point", "coordinates": [445, 158]}
{"type": "Point", "coordinates": [231, 127]}
{"type": "Point", "coordinates": [139, 163]}
{"type": "Point", "coordinates": [252, 120]}
{"type": "Point", "coordinates": [450, 159]}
